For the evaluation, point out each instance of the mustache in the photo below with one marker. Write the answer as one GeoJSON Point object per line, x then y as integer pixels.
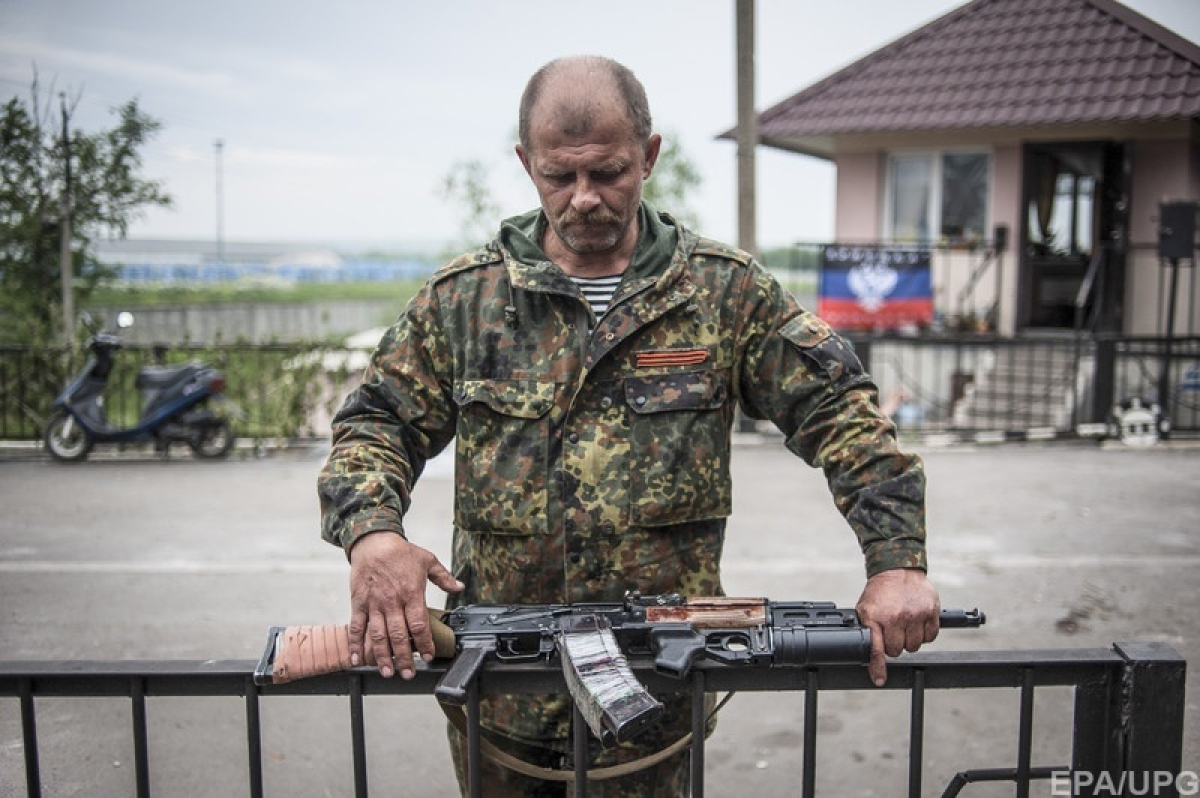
{"type": "Point", "coordinates": [600, 216]}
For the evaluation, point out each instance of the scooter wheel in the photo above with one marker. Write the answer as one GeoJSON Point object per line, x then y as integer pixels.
{"type": "Point", "coordinates": [213, 440]}
{"type": "Point", "coordinates": [66, 439]}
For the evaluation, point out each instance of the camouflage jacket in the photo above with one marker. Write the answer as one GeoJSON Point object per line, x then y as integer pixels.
{"type": "Point", "coordinates": [592, 463]}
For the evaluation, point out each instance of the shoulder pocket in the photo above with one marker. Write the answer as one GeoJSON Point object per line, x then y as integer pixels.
{"type": "Point", "coordinates": [826, 351]}
{"type": "Point", "coordinates": [806, 331]}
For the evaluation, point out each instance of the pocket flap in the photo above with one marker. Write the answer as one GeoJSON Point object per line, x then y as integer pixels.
{"type": "Point", "coordinates": [695, 390]}
{"type": "Point", "coordinates": [806, 331]}
{"type": "Point", "coordinates": [516, 398]}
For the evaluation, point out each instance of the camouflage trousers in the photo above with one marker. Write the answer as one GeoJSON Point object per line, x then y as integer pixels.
{"type": "Point", "coordinates": [670, 778]}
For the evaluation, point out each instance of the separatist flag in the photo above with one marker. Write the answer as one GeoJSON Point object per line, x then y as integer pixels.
{"type": "Point", "coordinates": [868, 288]}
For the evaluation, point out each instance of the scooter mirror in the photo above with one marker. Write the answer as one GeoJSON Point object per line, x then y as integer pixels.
{"type": "Point", "coordinates": [124, 319]}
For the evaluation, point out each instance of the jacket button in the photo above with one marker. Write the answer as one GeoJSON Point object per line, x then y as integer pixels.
{"type": "Point", "coordinates": [641, 400]}
{"type": "Point", "coordinates": [606, 402]}
{"type": "Point", "coordinates": [573, 437]}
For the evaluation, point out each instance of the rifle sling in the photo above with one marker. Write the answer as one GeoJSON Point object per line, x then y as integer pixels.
{"type": "Point", "coordinates": [458, 719]}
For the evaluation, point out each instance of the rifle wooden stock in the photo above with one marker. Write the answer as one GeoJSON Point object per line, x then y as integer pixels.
{"type": "Point", "coordinates": [299, 652]}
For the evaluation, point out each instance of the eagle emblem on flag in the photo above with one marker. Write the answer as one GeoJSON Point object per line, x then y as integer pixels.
{"type": "Point", "coordinates": [871, 283]}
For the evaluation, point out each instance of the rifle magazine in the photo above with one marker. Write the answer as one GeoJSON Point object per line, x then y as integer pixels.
{"type": "Point", "coordinates": [613, 703]}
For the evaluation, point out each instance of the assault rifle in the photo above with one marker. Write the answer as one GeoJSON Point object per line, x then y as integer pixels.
{"type": "Point", "coordinates": [592, 640]}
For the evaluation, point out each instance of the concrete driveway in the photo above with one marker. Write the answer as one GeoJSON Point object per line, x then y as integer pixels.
{"type": "Point", "coordinates": [1064, 546]}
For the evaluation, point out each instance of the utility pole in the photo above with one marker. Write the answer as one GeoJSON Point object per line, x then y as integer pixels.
{"type": "Point", "coordinates": [747, 141]}
{"type": "Point", "coordinates": [747, 129]}
{"type": "Point", "coordinates": [66, 264]}
{"type": "Point", "coordinates": [219, 146]}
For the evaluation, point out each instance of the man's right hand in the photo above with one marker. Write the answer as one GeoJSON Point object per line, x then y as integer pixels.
{"type": "Point", "coordinates": [387, 601]}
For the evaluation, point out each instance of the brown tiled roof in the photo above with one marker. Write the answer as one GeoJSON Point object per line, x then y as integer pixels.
{"type": "Point", "coordinates": [1002, 63]}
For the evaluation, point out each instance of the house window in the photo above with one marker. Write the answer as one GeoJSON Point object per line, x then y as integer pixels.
{"type": "Point", "coordinates": [1061, 213]}
{"type": "Point", "coordinates": [938, 197]}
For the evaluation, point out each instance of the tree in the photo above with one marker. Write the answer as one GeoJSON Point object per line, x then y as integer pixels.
{"type": "Point", "coordinates": [466, 185]}
{"type": "Point", "coordinates": [44, 165]}
{"type": "Point", "coordinates": [675, 178]}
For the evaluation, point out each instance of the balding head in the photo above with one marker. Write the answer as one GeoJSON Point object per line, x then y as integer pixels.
{"type": "Point", "coordinates": [570, 93]}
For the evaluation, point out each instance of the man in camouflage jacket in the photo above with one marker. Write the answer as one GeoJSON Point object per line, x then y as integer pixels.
{"type": "Point", "coordinates": [592, 455]}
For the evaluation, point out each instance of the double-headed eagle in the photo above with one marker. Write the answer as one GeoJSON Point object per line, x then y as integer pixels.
{"type": "Point", "coordinates": [871, 283]}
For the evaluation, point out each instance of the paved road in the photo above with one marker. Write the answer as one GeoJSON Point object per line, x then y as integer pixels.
{"type": "Point", "coordinates": [1064, 546]}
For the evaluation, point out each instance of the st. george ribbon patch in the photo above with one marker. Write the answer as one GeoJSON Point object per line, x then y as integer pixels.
{"type": "Point", "coordinates": [671, 357]}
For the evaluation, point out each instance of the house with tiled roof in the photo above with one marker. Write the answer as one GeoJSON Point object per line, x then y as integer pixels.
{"type": "Point", "coordinates": [1030, 143]}
{"type": "Point", "coordinates": [1019, 153]}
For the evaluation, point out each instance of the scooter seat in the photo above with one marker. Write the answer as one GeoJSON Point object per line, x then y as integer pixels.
{"type": "Point", "coordinates": [161, 376]}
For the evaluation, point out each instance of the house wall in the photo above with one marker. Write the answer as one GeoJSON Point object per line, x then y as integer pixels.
{"type": "Point", "coordinates": [859, 210]}
{"type": "Point", "coordinates": [1163, 169]}
{"type": "Point", "coordinates": [1166, 165]}
{"type": "Point", "coordinates": [861, 182]}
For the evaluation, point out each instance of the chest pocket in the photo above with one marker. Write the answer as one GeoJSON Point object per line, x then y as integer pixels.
{"type": "Point", "coordinates": [501, 454]}
{"type": "Point", "coordinates": [679, 447]}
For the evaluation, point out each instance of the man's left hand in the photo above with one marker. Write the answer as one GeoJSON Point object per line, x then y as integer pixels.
{"type": "Point", "coordinates": [901, 609]}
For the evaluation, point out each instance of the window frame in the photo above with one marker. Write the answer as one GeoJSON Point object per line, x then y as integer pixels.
{"type": "Point", "coordinates": [934, 201]}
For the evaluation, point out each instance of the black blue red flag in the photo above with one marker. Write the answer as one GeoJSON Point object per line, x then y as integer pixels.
{"type": "Point", "coordinates": [870, 288]}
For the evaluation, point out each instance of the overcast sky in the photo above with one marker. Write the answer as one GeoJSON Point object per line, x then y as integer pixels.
{"type": "Point", "coordinates": [340, 120]}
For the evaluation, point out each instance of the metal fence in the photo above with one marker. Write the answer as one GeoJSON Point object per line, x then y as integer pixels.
{"type": "Point", "coordinates": [1127, 718]}
{"type": "Point", "coordinates": [932, 383]}
{"type": "Point", "coordinates": [985, 383]}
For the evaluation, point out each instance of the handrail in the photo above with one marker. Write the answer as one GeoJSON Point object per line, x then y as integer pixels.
{"type": "Point", "coordinates": [1087, 287]}
{"type": "Point", "coordinates": [990, 256]}
{"type": "Point", "coordinates": [1128, 702]}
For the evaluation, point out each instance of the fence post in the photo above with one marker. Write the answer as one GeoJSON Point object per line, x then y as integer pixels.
{"type": "Point", "coordinates": [1104, 378]}
{"type": "Point", "coordinates": [33, 773]}
{"type": "Point", "coordinates": [1096, 738]}
{"type": "Point", "coordinates": [1129, 725]}
{"type": "Point", "coordinates": [1152, 703]}
{"type": "Point", "coordinates": [862, 348]}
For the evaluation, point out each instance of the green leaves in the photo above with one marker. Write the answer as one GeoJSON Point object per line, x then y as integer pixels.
{"type": "Point", "coordinates": [43, 173]}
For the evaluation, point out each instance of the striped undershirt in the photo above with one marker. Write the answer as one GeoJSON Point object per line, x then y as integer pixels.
{"type": "Point", "coordinates": [598, 291]}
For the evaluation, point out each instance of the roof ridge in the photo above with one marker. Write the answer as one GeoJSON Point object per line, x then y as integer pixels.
{"type": "Point", "coordinates": [1149, 28]}
{"type": "Point", "coordinates": [999, 63]}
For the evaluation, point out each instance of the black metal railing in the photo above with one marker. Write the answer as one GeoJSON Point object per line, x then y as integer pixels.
{"type": "Point", "coordinates": [1128, 707]}
{"type": "Point", "coordinates": [933, 383]}
{"type": "Point", "coordinates": [977, 383]}
{"type": "Point", "coordinates": [984, 384]}
{"type": "Point", "coordinates": [1129, 368]}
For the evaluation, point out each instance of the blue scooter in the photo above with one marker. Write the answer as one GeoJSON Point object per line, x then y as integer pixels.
{"type": "Point", "coordinates": [175, 405]}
